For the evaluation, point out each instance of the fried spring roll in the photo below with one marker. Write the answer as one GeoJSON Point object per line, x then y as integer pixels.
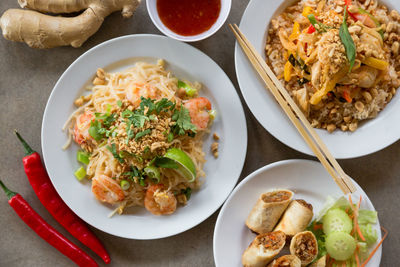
{"type": "Point", "coordinates": [304, 245]}
{"type": "Point", "coordinates": [267, 211]}
{"type": "Point", "coordinates": [296, 218]}
{"type": "Point", "coordinates": [263, 249]}
{"type": "Point", "coordinates": [321, 262]}
{"type": "Point", "coordinates": [286, 261]}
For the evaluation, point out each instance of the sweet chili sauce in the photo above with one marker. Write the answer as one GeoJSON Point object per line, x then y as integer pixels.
{"type": "Point", "coordinates": [188, 17]}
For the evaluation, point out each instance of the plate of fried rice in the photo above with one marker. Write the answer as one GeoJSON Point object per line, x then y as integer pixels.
{"type": "Point", "coordinates": [338, 59]}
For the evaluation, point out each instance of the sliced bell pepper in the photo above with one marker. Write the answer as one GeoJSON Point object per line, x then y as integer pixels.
{"type": "Point", "coordinates": [311, 29]}
{"type": "Point", "coordinates": [287, 72]}
{"type": "Point", "coordinates": [307, 11]}
{"type": "Point", "coordinates": [376, 63]}
{"type": "Point", "coordinates": [296, 32]}
{"type": "Point", "coordinates": [328, 86]}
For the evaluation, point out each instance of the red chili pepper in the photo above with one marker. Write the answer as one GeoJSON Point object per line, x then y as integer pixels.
{"type": "Point", "coordinates": [311, 29]}
{"type": "Point", "coordinates": [49, 197]}
{"type": "Point", "coordinates": [45, 230]}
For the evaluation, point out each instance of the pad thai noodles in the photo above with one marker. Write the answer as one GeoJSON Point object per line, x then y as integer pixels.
{"type": "Point", "coordinates": [339, 59]}
{"type": "Point", "coordinates": [141, 134]}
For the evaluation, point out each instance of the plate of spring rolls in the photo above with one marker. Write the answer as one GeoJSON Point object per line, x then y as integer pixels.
{"type": "Point", "coordinates": [291, 213]}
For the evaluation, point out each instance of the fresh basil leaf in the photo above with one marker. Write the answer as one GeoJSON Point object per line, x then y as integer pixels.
{"type": "Point", "coordinates": [347, 41]}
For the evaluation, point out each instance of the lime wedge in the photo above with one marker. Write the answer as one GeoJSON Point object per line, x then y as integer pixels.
{"type": "Point", "coordinates": [186, 166]}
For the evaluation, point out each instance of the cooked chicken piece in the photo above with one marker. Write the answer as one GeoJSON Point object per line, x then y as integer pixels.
{"type": "Point", "coordinates": [301, 97]}
{"type": "Point", "coordinates": [316, 75]}
{"type": "Point", "coordinates": [364, 77]}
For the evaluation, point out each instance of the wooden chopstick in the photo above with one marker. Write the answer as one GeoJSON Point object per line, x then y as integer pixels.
{"type": "Point", "coordinates": [283, 98]}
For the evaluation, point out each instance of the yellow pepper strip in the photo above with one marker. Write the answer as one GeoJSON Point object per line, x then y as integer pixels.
{"type": "Point", "coordinates": [307, 11]}
{"type": "Point", "coordinates": [376, 63]}
{"type": "Point", "coordinates": [328, 86]}
{"type": "Point", "coordinates": [287, 72]}
{"type": "Point", "coordinates": [296, 32]}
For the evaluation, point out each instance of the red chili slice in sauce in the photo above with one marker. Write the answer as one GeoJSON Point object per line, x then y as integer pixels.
{"type": "Point", "coordinates": [188, 17]}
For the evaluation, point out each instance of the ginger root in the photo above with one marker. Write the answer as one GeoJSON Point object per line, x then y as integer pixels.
{"type": "Point", "coordinates": [45, 31]}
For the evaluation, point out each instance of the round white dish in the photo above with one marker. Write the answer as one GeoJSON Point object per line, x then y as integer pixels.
{"type": "Point", "coordinates": [371, 136]}
{"type": "Point", "coordinates": [306, 178]}
{"type": "Point", "coordinates": [185, 62]}
{"type": "Point", "coordinates": [223, 15]}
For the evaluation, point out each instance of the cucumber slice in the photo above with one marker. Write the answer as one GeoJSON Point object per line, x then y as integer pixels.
{"type": "Point", "coordinates": [336, 220]}
{"type": "Point", "coordinates": [340, 245]}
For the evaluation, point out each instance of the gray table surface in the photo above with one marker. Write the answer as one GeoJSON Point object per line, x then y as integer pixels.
{"type": "Point", "coordinates": [27, 77]}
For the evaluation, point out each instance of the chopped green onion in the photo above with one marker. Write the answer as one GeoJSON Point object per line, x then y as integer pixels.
{"type": "Point", "coordinates": [125, 185]}
{"type": "Point", "coordinates": [119, 103]}
{"type": "Point", "coordinates": [153, 172]}
{"type": "Point", "coordinates": [82, 156]}
{"type": "Point", "coordinates": [190, 91]}
{"type": "Point", "coordinates": [153, 117]}
{"type": "Point", "coordinates": [141, 182]}
{"type": "Point", "coordinates": [212, 113]}
{"type": "Point", "coordinates": [187, 192]}
{"type": "Point", "coordinates": [80, 173]}
{"type": "Point", "coordinates": [108, 110]}
{"type": "Point", "coordinates": [170, 137]}
{"type": "Point", "coordinates": [103, 143]}
{"type": "Point", "coordinates": [94, 130]}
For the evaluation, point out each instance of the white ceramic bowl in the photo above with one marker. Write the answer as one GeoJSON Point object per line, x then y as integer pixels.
{"type": "Point", "coordinates": [223, 15]}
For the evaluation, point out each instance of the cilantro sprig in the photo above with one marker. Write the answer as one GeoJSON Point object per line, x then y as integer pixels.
{"type": "Point", "coordinates": [100, 126]}
{"type": "Point", "coordinates": [113, 150]}
{"type": "Point", "coordinates": [182, 121]}
{"type": "Point", "coordinates": [135, 172]}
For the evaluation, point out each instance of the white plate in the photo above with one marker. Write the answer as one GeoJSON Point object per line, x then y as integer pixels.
{"type": "Point", "coordinates": [307, 179]}
{"type": "Point", "coordinates": [185, 62]}
{"type": "Point", "coordinates": [371, 136]}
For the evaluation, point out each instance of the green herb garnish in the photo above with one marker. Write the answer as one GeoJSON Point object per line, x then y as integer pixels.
{"type": "Point", "coordinates": [183, 121]}
{"type": "Point", "coordinates": [119, 103]}
{"type": "Point", "coordinates": [135, 172]}
{"type": "Point", "coordinates": [114, 152]}
{"type": "Point", "coordinates": [190, 91]}
{"type": "Point", "coordinates": [95, 130]}
{"type": "Point", "coordinates": [347, 41]}
{"type": "Point", "coordinates": [187, 192]}
{"type": "Point", "coordinates": [170, 137]}
{"type": "Point", "coordinates": [320, 27]}
{"type": "Point", "coordinates": [165, 163]}
{"type": "Point", "coordinates": [142, 133]}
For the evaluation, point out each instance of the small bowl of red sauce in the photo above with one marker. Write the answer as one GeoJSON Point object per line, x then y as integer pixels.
{"type": "Point", "coordinates": [188, 20]}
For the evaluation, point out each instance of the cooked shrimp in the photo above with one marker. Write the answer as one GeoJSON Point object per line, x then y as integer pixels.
{"type": "Point", "coordinates": [135, 90]}
{"type": "Point", "coordinates": [198, 110]}
{"type": "Point", "coordinates": [106, 189]}
{"type": "Point", "coordinates": [159, 201]}
{"type": "Point", "coordinates": [81, 129]}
